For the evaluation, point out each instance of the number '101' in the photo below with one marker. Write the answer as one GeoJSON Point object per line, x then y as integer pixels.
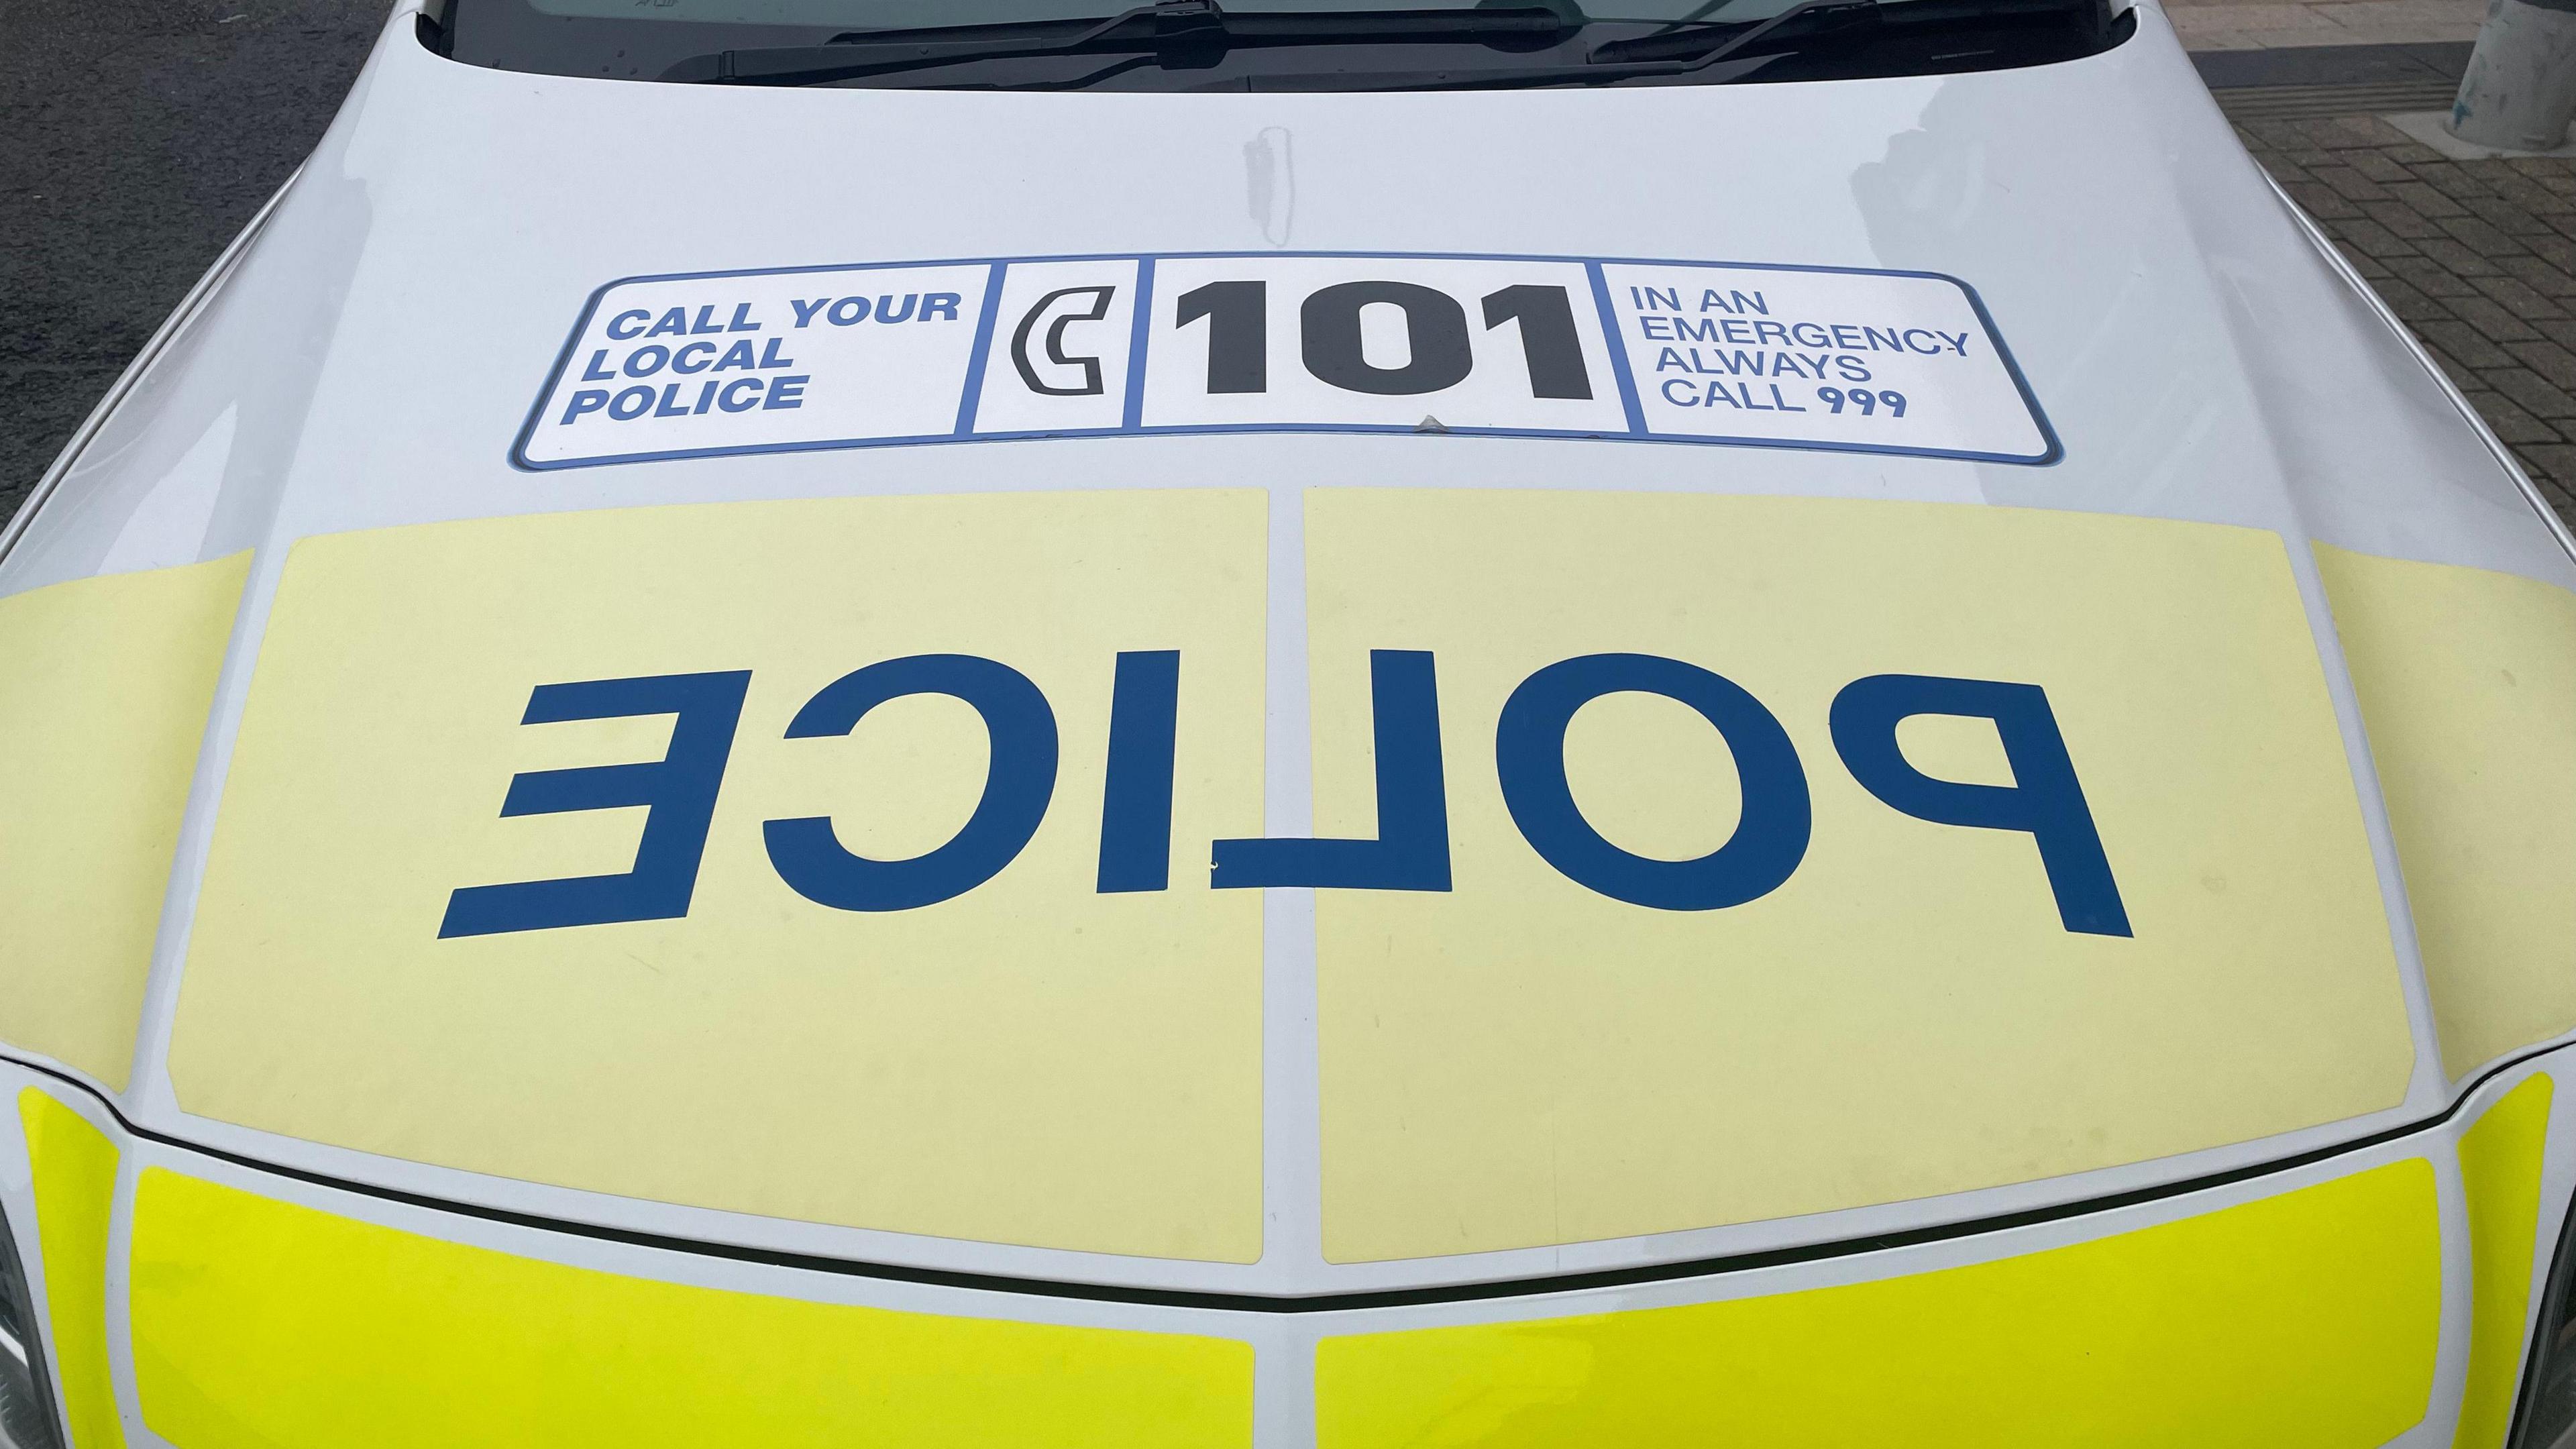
{"type": "Point", "coordinates": [1440, 355]}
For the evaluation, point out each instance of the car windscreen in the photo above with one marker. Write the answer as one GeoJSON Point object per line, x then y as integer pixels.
{"type": "Point", "coordinates": [1264, 45]}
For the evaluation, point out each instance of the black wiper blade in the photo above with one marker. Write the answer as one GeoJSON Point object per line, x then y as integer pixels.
{"type": "Point", "coordinates": [1630, 56]}
{"type": "Point", "coordinates": [1907, 30]}
{"type": "Point", "coordinates": [1502, 78]}
{"type": "Point", "coordinates": [862, 52]}
{"type": "Point", "coordinates": [1606, 64]}
{"type": "Point", "coordinates": [1191, 33]}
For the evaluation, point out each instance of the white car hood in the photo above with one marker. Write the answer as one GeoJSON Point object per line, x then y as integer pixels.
{"type": "Point", "coordinates": [1317, 1091]}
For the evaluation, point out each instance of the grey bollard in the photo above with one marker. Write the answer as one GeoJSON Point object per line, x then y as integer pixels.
{"type": "Point", "coordinates": [2520, 89]}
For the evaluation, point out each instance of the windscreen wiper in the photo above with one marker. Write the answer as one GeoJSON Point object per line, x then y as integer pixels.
{"type": "Point", "coordinates": [1803, 33]}
{"type": "Point", "coordinates": [1615, 55]}
{"type": "Point", "coordinates": [1709, 51]}
{"type": "Point", "coordinates": [2013, 25]}
{"type": "Point", "coordinates": [1189, 34]}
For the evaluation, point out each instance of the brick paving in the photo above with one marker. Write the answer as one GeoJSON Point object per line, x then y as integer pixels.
{"type": "Point", "coordinates": [2265, 24]}
{"type": "Point", "coordinates": [2478, 257]}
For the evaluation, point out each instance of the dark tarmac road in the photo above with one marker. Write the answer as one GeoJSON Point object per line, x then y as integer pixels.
{"type": "Point", "coordinates": [136, 137]}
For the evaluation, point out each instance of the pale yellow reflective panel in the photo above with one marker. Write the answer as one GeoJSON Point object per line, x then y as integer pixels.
{"type": "Point", "coordinates": [2500, 1160]}
{"type": "Point", "coordinates": [75, 1168]}
{"type": "Point", "coordinates": [2304, 1321]}
{"type": "Point", "coordinates": [260, 1324]}
{"type": "Point", "coordinates": [1522, 1061]}
{"type": "Point", "coordinates": [1030, 1062]}
{"type": "Point", "coordinates": [105, 685]}
{"type": "Point", "coordinates": [2467, 682]}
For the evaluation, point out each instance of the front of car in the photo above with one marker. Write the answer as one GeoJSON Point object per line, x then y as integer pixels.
{"type": "Point", "coordinates": [792, 721]}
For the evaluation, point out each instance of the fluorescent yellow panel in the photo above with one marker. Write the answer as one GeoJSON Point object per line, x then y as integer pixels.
{"type": "Point", "coordinates": [103, 701]}
{"type": "Point", "coordinates": [75, 1168]}
{"type": "Point", "coordinates": [1522, 1061]}
{"type": "Point", "coordinates": [1029, 1062]}
{"type": "Point", "coordinates": [262, 1325]}
{"type": "Point", "coordinates": [2500, 1168]}
{"type": "Point", "coordinates": [2305, 1321]}
{"type": "Point", "coordinates": [2467, 681]}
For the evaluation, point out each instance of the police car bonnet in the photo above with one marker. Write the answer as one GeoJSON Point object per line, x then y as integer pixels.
{"type": "Point", "coordinates": [1281, 692]}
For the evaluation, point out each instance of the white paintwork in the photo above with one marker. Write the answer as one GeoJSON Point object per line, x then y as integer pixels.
{"type": "Point", "coordinates": [378, 344]}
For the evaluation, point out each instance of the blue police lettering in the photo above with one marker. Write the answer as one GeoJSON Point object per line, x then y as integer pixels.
{"type": "Point", "coordinates": [1529, 757]}
{"type": "Point", "coordinates": [2045, 799]}
{"type": "Point", "coordinates": [1018, 782]}
{"type": "Point", "coordinates": [691, 357]}
{"type": "Point", "coordinates": [851, 311]}
{"type": "Point", "coordinates": [1739, 395]}
{"type": "Point", "coordinates": [709, 347]}
{"type": "Point", "coordinates": [1136, 803]}
{"type": "Point", "coordinates": [1411, 850]}
{"type": "Point", "coordinates": [678, 793]}
{"type": "Point", "coordinates": [684, 323]}
{"type": "Point", "coordinates": [1740, 363]}
{"type": "Point", "coordinates": [674, 400]}
{"type": "Point", "coordinates": [1743, 320]}
{"type": "Point", "coordinates": [706, 320]}
{"type": "Point", "coordinates": [1711, 301]}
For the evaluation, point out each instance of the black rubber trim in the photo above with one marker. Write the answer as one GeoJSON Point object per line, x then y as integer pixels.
{"type": "Point", "coordinates": [2553, 1309]}
{"type": "Point", "coordinates": [1319, 1302]}
{"type": "Point", "coordinates": [2441, 62]}
{"type": "Point", "coordinates": [34, 1337]}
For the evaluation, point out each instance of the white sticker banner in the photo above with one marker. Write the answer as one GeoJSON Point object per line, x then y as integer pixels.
{"type": "Point", "coordinates": [1879, 361]}
{"type": "Point", "coordinates": [1566, 347]}
{"type": "Point", "coordinates": [754, 363]}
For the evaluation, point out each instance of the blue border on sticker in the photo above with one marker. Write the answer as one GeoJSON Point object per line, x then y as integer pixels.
{"type": "Point", "coordinates": [1140, 336]}
{"type": "Point", "coordinates": [1132, 425]}
{"type": "Point", "coordinates": [1625, 377]}
{"type": "Point", "coordinates": [971, 398]}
